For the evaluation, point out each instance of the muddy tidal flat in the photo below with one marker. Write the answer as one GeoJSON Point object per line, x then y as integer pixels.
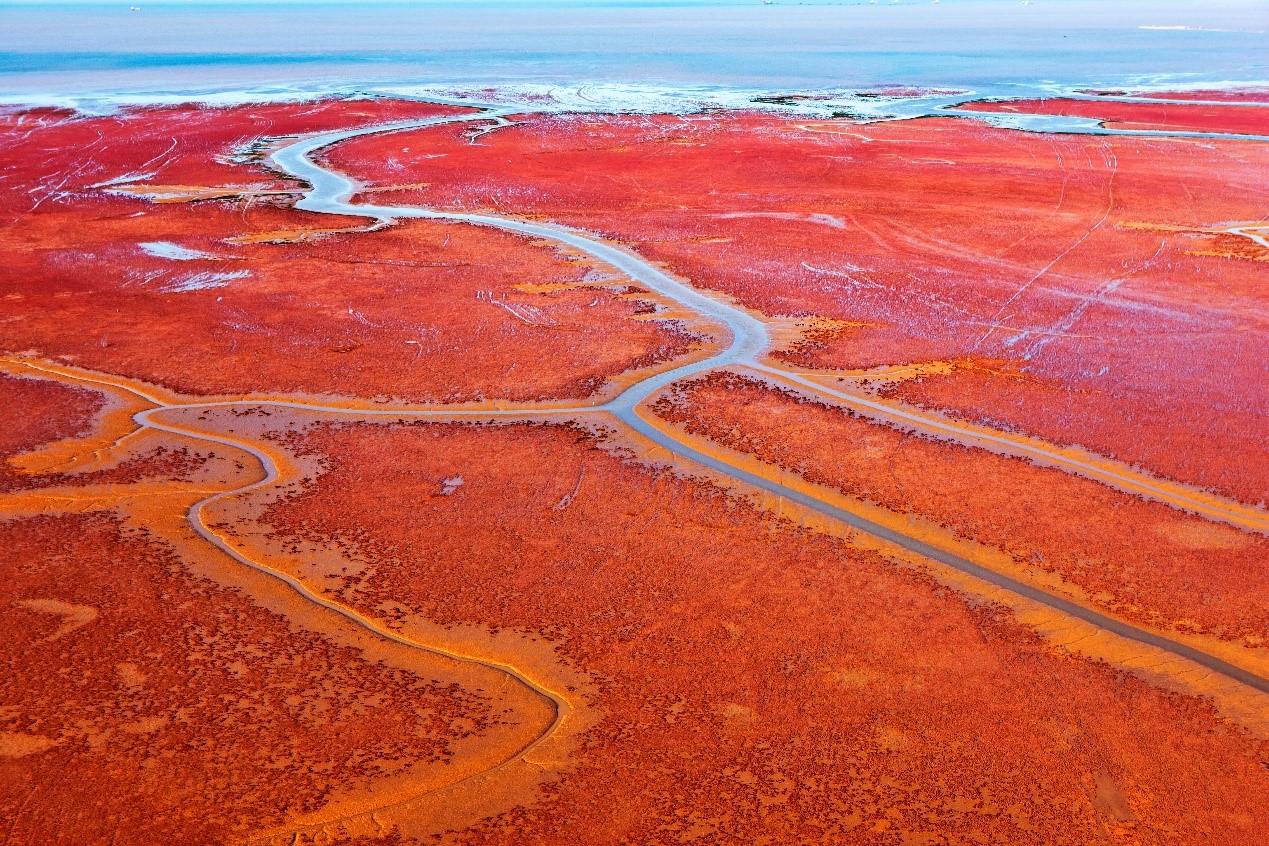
{"type": "Point", "coordinates": [878, 468]}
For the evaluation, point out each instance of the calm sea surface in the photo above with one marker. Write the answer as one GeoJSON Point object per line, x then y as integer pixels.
{"type": "Point", "coordinates": [987, 45]}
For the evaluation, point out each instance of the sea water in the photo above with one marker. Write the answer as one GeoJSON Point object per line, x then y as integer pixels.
{"type": "Point", "coordinates": [614, 52]}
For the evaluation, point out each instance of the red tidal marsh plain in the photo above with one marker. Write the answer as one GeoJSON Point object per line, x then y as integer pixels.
{"type": "Point", "coordinates": [941, 521]}
{"type": "Point", "coordinates": [1100, 291]}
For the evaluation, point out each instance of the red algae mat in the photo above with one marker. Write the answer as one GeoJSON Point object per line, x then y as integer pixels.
{"type": "Point", "coordinates": [1236, 95]}
{"type": "Point", "coordinates": [223, 291]}
{"type": "Point", "coordinates": [466, 519]}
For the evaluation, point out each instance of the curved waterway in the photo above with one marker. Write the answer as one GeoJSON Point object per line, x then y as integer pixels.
{"type": "Point", "coordinates": [332, 193]}
{"type": "Point", "coordinates": [561, 709]}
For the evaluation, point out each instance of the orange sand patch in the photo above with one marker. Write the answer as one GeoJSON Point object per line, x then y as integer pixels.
{"type": "Point", "coordinates": [221, 694]}
{"type": "Point", "coordinates": [1142, 561]}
